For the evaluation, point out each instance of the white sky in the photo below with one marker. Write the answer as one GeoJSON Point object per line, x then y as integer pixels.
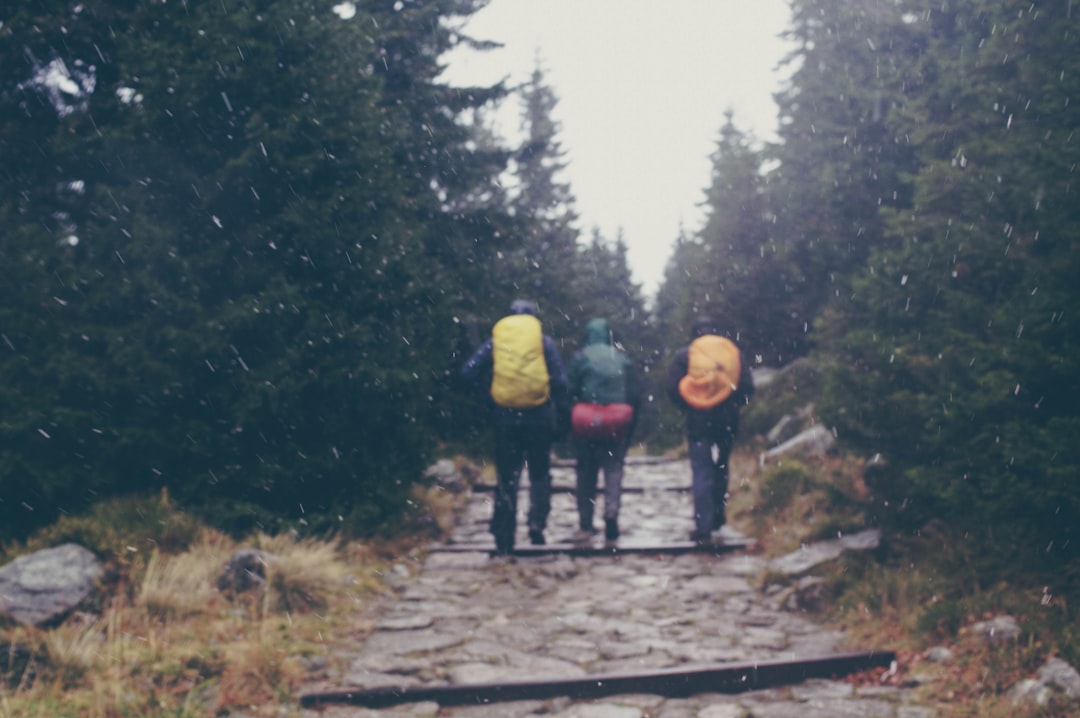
{"type": "Point", "coordinates": [642, 87]}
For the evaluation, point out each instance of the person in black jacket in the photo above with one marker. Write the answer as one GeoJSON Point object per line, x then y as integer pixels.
{"type": "Point", "coordinates": [523, 435]}
{"type": "Point", "coordinates": [710, 432]}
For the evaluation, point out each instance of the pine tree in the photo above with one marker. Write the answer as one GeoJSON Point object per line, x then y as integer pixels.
{"type": "Point", "coordinates": [544, 266]}
{"type": "Point", "coordinates": [240, 256]}
{"type": "Point", "coordinates": [956, 359]}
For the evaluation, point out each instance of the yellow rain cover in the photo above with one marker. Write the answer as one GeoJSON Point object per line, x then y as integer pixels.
{"type": "Point", "coordinates": [712, 372]}
{"type": "Point", "coordinates": [520, 376]}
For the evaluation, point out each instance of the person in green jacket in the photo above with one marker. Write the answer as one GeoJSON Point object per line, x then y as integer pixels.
{"type": "Point", "coordinates": [605, 393]}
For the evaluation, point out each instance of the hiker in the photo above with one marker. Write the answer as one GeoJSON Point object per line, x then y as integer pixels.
{"type": "Point", "coordinates": [710, 381]}
{"type": "Point", "coordinates": [605, 393]}
{"type": "Point", "coordinates": [522, 374]}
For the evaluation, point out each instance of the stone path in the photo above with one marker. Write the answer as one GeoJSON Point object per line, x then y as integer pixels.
{"type": "Point", "coordinates": [467, 618]}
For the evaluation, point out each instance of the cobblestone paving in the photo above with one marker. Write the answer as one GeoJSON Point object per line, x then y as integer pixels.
{"type": "Point", "coordinates": [467, 618]}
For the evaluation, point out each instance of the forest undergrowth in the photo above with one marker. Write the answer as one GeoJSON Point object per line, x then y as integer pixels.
{"type": "Point", "coordinates": [921, 591]}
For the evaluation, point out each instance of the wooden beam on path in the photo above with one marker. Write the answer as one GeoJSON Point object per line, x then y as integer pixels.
{"type": "Point", "coordinates": [560, 489]}
{"type": "Point", "coordinates": [630, 461]}
{"type": "Point", "coordinates": [618, 549]}
{"type": "Point", "coordinates": [673, 683]}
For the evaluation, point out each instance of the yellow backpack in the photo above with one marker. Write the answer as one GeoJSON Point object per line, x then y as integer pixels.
{"type": "Point", "coordinates": [712, 371]}
{"type": "Point", "coordinates": [519, 379]}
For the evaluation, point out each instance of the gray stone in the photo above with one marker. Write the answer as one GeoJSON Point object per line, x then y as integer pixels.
{"type": "Point", "coordinates": [765, 375]}
{"type": "Point", "coordinates": [1061, 675]}
{"type": "Point", "coordinates": [404, 643]}
{"type": "Point", "coordinates": [788, 426]}
{"type": "Point", "coordinates": [809, 556]}
{"type": "Point", "coordinates": [44, 586]}
{"type": "Point", "coordinates": [808, 594]}
{"type": "Point", "coordinates": [815, 441]}
{"type": "Point", "coordinates": [914, 712]}
{"type": "Point", "coordinates": [600, 710]}
{"type": "Point", "coordinates": [999, 629]}
{"type": "Point", "coordinates": [939, 654]}
{"type": "Point", "coordinates": [1030, 690]}
{"type": "Point", "coordinates": [722, 710]}
{"type": "Point", "coordinates": [715, 585]}
{"type": "Point", "coordinates": [816, 690]}
{"type": "Point", "coordinates": [246, 570]}
{"type": "Point", "coordinates": [407, 623]}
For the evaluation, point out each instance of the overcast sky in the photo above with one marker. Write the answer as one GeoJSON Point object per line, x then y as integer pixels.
{"type": "Point", "coordinates": [642, 87]}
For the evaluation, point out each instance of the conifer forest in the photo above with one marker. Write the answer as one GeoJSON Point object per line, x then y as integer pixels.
{"type": "Point", "coordinates": [247, 245]}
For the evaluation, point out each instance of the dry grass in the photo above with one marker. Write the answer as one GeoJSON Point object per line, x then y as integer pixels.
{"type": "Point", "coordinates": [923, 590]}
{"type": "Point", "coordinates": [174, 646]}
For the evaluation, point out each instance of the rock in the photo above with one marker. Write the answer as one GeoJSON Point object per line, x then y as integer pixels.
{"type": "Point", "coordinates": [764, 375]}
{"type": "Point", "coordinates": [1000, 628]}
{"type": "Point", "coordinates": [1061, 675]}
{"type": "Point", "coordinates": [245, 571]}
{"type": "Point", "coordinates": [815, 441]}
{"type": "Point", "coordinates": [446, 474]}
{"type": "Point", "coordinates": [807, 557]}
{"type": "Point", "coordinates": [786, 428]}
{"type": "Point", "coordinates": [42, 587]}
{"type": "Point", "coordinates": [1030, 690]}
{"type": "Point", "coordinates": [790, 425]}
{"type": "Point", "coordinates": [723, 710]}
{"type": "Point", "coordinates": [809, 594]}
{"type": "Point", "coordinates": [939, 654]}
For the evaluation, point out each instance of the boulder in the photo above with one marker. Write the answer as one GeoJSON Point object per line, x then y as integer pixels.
{"type": "Point", "coordinates": [1000, 629]}
{"type": "Point", "coordinates": [245, 571]}
{"type": "Point", "coordinates": [801, 561]}
{"type": "Point", "coordinates": [1061, 675]}
{"type": "Point", "coordinates": [815, 441]}
{"type": "Point", "coordinates": [44, 586]}
{"type": "Point", "coordinates": [790, 425]}
{"type": "Point", "coordinates": [446, 474]}
{"type": "Point", "coordinates": [1055, 675]}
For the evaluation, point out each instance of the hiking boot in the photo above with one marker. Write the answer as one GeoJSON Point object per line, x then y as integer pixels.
{"type": "Point", "coordinates": [701, 539]}
{"type": "Point", "coordinates": [611, 529]}
{"type": "Point", "coordinates": [583, 535]}
{"type": "Point", "coordinates": [536, 537]}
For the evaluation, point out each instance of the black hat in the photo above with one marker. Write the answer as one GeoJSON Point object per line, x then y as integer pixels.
{"type": "Point", "coordinates": [703, 325]}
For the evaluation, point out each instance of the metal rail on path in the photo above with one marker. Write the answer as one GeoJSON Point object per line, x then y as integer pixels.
{"type": "Point", "coordinates": [673, 683]}
{"type": "Point", "coordinates": [586, 549]}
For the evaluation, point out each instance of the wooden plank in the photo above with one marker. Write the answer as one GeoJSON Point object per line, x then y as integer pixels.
{"type": "Point", "coordinates": [673, 683]}
{"type": "Point", "coordinates": [562, 489]}
{"type": "Point", "coordinates": [630, 461]}
{"type": "Point", "coordinates": [599, 549]}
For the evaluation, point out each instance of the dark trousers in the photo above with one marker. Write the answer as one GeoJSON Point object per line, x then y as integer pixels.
{"type": "Point", "coordinates": [709, 471]}
{"type": "Point", "coordinates": [515, 446]}
{"type": "Point", "coordinates": [592, 456]}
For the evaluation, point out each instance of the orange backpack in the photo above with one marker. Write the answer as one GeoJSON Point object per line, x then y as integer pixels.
{"type": "Point", "coordinates": [712, 371]}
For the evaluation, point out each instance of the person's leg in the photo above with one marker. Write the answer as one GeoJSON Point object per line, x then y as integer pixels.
{"type": "Point", "coordinates": [613, 460]}
{"type": "Point", "coordinates": [508, 461]}
{"type": "Point", "coordinates": [586, 471]}
{"type": "Point", "coordinates": [538, 456]}
{"type": "Point", "coordinates": [720, 482]}
{"type": "Point", "coordinates": [702, 475]}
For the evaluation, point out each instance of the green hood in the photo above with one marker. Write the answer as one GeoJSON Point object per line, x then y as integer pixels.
{"type": "Point", "coordinates": [597, 331]}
